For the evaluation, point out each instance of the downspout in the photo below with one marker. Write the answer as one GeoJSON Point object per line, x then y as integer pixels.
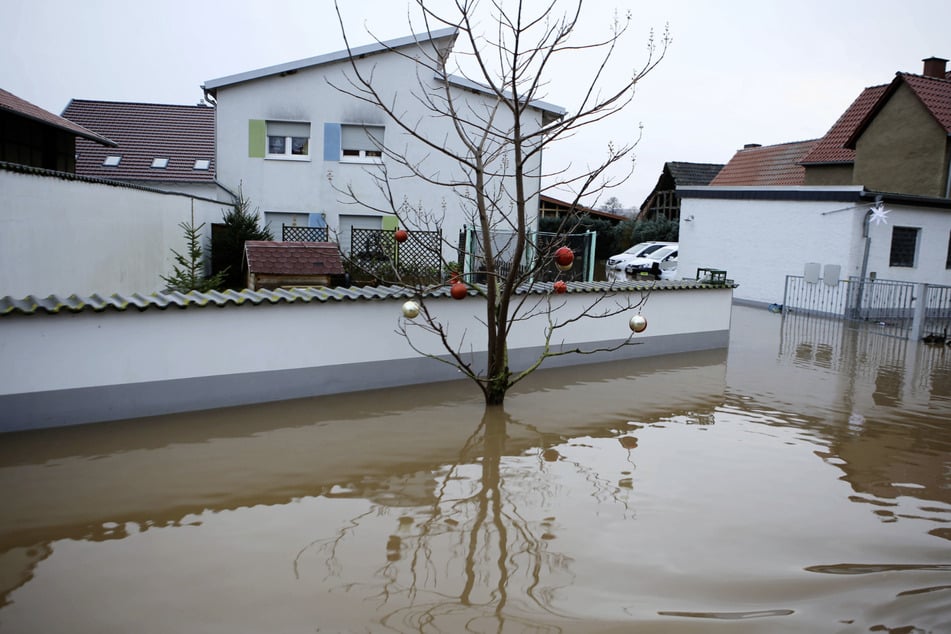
{"type": "Point", "coordinates": [857, 306]}
{"type": "Point", "coordinates": [233, 195]}
{"type": "Point", "coordinates": [868, 245]}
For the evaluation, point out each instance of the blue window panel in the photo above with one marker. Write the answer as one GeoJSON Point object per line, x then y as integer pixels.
{"type": "Point", "coordinates": [331, 141]}
{"type": "Point", "coordinates": [316, 220]}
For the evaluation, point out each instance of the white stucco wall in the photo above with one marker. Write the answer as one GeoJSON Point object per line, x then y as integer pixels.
{"type": "Point", "coordinates": [63, 351]}
{"type": "Point", "coordinates": [933, 242]}
{"type": "Point", "coordinates": [760, 242]}
{"type": "Point", "coordinates": [65, 237]}
{"type": "Point", "coordinates": [275, 185]}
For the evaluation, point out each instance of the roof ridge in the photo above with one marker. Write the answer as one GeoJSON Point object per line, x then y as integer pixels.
{"type": "Point", "coordinates": [377, 46]}
{"type": "Point", "coordinates": [946, 80]}
{"type": "Point", "coordinates": [139, 103]}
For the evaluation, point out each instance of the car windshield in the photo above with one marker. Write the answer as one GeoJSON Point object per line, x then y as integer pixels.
{"type": "Point", "coordinates": [641, 251]}
{"type": "Point", "coordinates": [660, 254]}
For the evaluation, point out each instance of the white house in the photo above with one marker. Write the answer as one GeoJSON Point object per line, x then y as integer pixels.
{"type": "Point", "coordinates": [306, 152]}
{"type": "Point", "coordinates": [759, 235]}
{"type": "Point", "coordinates": [870, 199]}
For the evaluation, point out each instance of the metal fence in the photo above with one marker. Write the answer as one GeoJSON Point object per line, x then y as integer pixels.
{"type": "Point", "coordinates": [538, 258]}
{"type": "Point", "coordinates": [936, 319]}
{"type": "Point", "coordinates": [900, 309]}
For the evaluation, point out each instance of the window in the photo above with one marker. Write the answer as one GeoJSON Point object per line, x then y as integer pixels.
{"type": "Point", "coordinates": [947, 262]}
{"type": "Point", "coordinates": [361, 143]}
{"type": "Point", "coordinates": [202, 164]}
{"type": "Point", "coordinates": [904, 246]}
{"type": "Point", "coordinates": [160, 163]}
{"type": "Point", "coordinates": [288, 140]}
{"type": "Point", "coordinates": [112, 161]}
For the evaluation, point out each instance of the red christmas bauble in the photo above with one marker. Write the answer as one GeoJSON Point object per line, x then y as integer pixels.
{"type": "Point", "coordinates": [560, 287]}
{"type": "Point", "coordinates": [564, 256]}
{"type": "Point", "coordinates": [401, 235]}
{"type": "Point", "coordinates": [458, 290]}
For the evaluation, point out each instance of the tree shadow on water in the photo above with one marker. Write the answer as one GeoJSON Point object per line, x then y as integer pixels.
{"type": "Point", "coordinates": [478, 557]}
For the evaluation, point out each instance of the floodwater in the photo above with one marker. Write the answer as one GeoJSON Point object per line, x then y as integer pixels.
{"type": "Point", "coordinates": [798, 482]}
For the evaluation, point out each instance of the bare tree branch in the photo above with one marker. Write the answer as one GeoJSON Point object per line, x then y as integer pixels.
{"type": "Point", "coordinates": [488, 122]}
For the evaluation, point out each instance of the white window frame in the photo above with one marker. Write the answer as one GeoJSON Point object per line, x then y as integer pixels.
{"type": "Point", "coordinates": [284, 130]}
{"type": "Point", "coordinates": [365, 152]}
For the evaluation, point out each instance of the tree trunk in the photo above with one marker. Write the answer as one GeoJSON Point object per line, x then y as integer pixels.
{"type": "Point", "coordinates": [495, 390]}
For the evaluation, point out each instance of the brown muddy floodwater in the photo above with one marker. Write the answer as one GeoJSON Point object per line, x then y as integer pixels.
{"type": "Point", "coordinates": [798, 482]}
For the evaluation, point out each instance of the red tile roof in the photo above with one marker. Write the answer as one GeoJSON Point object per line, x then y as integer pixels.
{"type": "Point", "coordinates": [22, 107]}
{"type": "Point", "coordinates": [766, 165]}
{"type": "Point", "coordinates": [831, 148]}
{"type": "Point", "coordinates": [934, 93]}
{"type": "Point", "coordinates": [293, 258]}
{"type": "Point", "coordinates": [143, 132]}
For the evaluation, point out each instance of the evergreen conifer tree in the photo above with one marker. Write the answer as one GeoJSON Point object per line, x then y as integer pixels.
{"type": "Point", "coordinates": [188, 274]}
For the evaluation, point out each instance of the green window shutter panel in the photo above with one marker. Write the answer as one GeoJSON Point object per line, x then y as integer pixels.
{"type": "Point", "coordinates": [257, 137]}
{"type": "Point", "coordinates": [390, 223]}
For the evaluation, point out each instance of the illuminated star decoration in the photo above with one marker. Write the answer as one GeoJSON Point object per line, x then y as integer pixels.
{"type": "Point", "coordinates": [879, 214]}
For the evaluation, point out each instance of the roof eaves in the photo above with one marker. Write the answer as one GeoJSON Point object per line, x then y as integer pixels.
{"type": "Point", "coordinates": [579, 208]}
{"type": "Point", "coordinates": [468, 84]}
{"type": "Point", "coordinates": [79, 130]}
{"type": "Point", "coordinates": [845, 193]}
{"type": "Point", "coordinates": [35, 113]}
{"type": "Point", "coordinates": [360, 51]}
{"type": "Point", "coordinates": [130, 184]}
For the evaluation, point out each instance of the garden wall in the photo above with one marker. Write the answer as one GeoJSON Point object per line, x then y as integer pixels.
{"type": "Point", "coordinates": [140, 356]}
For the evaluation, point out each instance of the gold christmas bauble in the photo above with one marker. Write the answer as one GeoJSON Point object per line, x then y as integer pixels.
{"type": "Point", "coordinates": [638, 323]}
{"type": "Point", "coordinates": [410, 309]}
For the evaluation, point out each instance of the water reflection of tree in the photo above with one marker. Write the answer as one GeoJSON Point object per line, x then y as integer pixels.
{"type": "Point", "coordinates": [498, 567]}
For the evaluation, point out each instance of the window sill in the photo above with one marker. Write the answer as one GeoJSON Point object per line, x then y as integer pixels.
{"type": "Point", "coordinates": [286, 157]}
{"type": "Point", "coordinates": [362, 161]}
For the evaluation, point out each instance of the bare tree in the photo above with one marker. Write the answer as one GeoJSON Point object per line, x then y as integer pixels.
{"type": "Point", "coordinates": [612, 205]}
{"type": "Point", "coordinates": [495, 144]}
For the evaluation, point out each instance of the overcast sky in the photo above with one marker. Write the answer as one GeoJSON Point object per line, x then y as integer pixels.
{"type": "Point", "coordinates": [737, 71]}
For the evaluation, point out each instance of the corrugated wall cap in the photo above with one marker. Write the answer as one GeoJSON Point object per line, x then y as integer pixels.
{"type": "Point", "coordinates": [55, 304]}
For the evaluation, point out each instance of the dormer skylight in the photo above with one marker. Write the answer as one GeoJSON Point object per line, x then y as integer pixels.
{"type": "Point", "coordinates": [202, 164]}
{"type": "Point", "coordinates": [160, 163]}
{"type": "Point", "coordinates": [112, 161]}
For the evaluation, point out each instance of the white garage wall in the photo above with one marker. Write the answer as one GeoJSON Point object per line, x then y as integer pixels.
{"type": "Point", "coordinates": [64, 237]}
{"type": "Point", "coordinates": [760, 242]}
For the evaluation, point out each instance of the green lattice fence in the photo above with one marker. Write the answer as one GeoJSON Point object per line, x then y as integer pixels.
{"type": "Point", "coordinates": [376, 257]}
{"type": "Point", "coordinates": [293, 233]}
